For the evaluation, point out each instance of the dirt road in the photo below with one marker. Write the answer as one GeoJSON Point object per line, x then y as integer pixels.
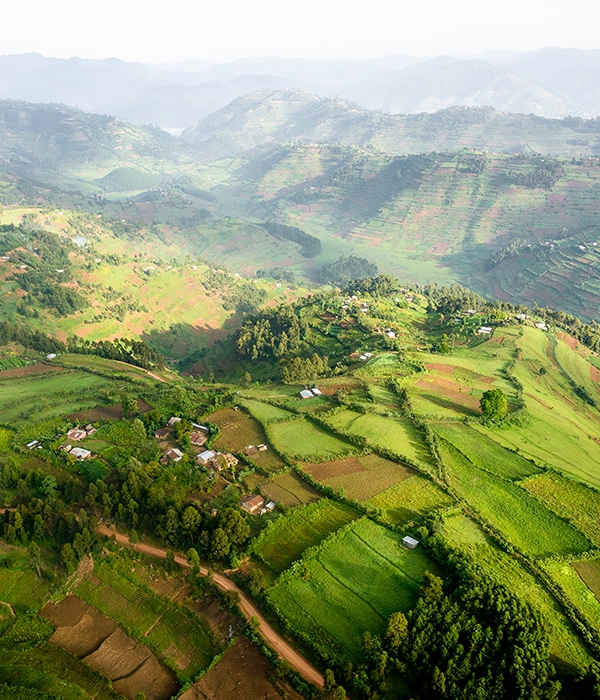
{"type": "Point", "coordinates": [273, 638]}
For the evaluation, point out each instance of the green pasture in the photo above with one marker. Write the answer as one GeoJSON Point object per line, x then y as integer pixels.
{"type": "Point", "coordinates": [576, 367]}
{"type": "Point", "coordinates": [570, 500]}
{"type": "Point", "coordinates": [522, 519]}
{"type": "Point", "coordinates": [577, 592]}
{"type": "Point", "coordinates": [566, 648]}
{"type": "Point", "coordinates": [285, 539]}
{"type": "Point", "coordinates": [410, 499]}
{"type": "Point", "coordinates": [398, 435]}
{"type": "Point", "coordinates": [302, 439]}
{"type": "Point", "coordinates": [589, 571]}
{"type": "Point", "coordinates": [169, 629]}
{"type": "Point", "coordinates": [363, 478]}
{"type": "Point", "coordinates": [19, 584]}
{"type": "Point", "coordinates": [350, 586]}
{"type": "Point", "coordinates": [480, 449]}
{"type": "Point", "coordinates": [289, 490]}
{"type": "Point", "coordinates": [560, 428]}
{"type": "Point", "coordinates": [44, 396]}
{"type": "Point", "coordinates": [264, 412]}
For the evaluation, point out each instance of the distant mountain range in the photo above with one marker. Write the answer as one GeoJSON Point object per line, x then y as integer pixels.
{"type": "Point", "coordinates": [551, 82]}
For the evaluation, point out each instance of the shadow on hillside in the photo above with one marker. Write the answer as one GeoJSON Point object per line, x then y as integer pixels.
{"type": "Point", "coordinates": [450, 405]}
{"type": "Point", "coordinates": [181, 340]}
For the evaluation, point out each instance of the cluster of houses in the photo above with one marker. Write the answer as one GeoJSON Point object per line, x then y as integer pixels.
{"type": "Point", "coordinates": [251, 450]}
{"type": "Point", "coordinates": [75, 435]}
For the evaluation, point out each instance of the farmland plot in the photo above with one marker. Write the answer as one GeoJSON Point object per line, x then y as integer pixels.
{"type": "Point", "coordinates": [411, 498]}
{"type": "Point", "coordinates": [352, 585]}
{"type": "Point", "coordinates": [289, 490]}
{"type": "Point", "coordinates": [360, 477]}
{"type": "Point", "coordinates": [286, 538]}
{"type": "Point", "coordinates": [523, 520]}
{"type": "Point", "coordinates": [301, 439]}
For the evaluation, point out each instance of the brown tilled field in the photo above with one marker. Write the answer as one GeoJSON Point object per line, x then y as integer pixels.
{"type": "Point", "coordinates": [450, 390]}
{"type": "Point", "coordinates": [100, 643]}
{"type": "Point", "coordinates": [38, 368]}
{"type": "Point", "coordinates": [242, 673]}
{"type": "Point", "coordinates": [440, 368]}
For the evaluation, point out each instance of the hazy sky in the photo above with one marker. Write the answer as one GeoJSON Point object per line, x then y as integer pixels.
{"type": "Point", "coordinates": [223, 30]}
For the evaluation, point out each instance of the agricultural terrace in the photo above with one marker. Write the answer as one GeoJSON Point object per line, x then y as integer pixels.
{"type": "Point", "coordinates": [303, 440]}
{"type": "Point", "coordinates": [264, 412]}
{"type": "Point", "coordinates": [101, 365]}
{"type": "Point", "coordinates": [289, 490]}
{"type": "Point", "coordinates": [182, 640]}
{"type": "Point", "coordinates": [412, 498]}
{"type": "Point", "coordinates": [484, 452]}
{"type": "Point", "coordinates": [42, 396]}
{"type": "Point", "coordinates": [576, 590]}
{"type": "Point", "coordinates": [570, 500]}
{"type": "Point", "coordinates": [565, 645]}
{"type": "Point", "coordinates": [561, 429]}
{"type": "Point", "coordinates": [286, 539]}
{"type": "Point", "coordinates": [238, 431]}
{"type": "Point", "coordinates": [359, 477]}
{"type": "Point", "coordinates": [348, 586]}
{"type": "Point", "coordinates": [383, 366]}
{"type": "Point", "coordinates": [577, 367]}
{"type": "Point", "coordinates": [398, 435]}
{"type": "Point", "coordinates": [511, 510]}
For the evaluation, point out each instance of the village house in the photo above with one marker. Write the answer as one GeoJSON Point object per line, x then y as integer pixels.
{"type": "Point", "coordinates": [32, 444]}
{"type": "Point", "coordinates": [262, 447]}
{"type": "Point", "coordinates": [251, 504]}
{"type": "Point", "coordinates": [162, 433]}
{"type": "Point", "coordinates": [197, 439]}
{"type": "Point", "coordinates": [76, 434]}
{"type": "Point", "coordinates": [409, 542]}
{"type": "Point", "coordinates": [80, 453]}
{"type": "Point", "coordinates": [205, 458]}
{"type": "Point", "coordinates": [251, 450]}
{"type": "Point", "coordinates": [172, 420]}
{"type": "Point", "coordinates": [174, 454]}
{"type": "Point", "coordinates": [306, 394]}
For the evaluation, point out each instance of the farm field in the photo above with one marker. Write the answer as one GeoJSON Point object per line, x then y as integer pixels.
{"type": "Point", "coordinates": [578, 593]}
{"type": "Point", "coordinates": [570, 500]}
{"type": "Point", "coordinates": [289, 490]}
{"type": "Point", "coordinates": [523, 520]}
{"type": "Point", "coordinates": [360, 477]}
{"type": "Point", "coordinates": [238, 431]}
{"type": "Point", "coordinates": [398, 435]}
{"type": "Point", "coordinates": [286, 539]}
{"type": "Point", "coordinates": [352, 584]}
{"type": "Point", "coordinates": [264, 412]}
{"type": "Point", "coordinates": [45, 396]}
{"type": "Point", "coordinates": [567, 649]}
{"type": "Point", "coordinates": [410, 499]}
{"type": "Point", "coordinates": [484, 452]}
{"type": "Point", "coordinates": [303, 440]}
{"type": "Point", "coordinates": [589, 571]}
{"type": "Point", "coordinates": [179, 638]}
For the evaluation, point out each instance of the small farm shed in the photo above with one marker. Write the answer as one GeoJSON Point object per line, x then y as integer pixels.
{"type": "Point", "coordinates": [409, 542]}
{"type": "Point", "coordinates": [306, 394]}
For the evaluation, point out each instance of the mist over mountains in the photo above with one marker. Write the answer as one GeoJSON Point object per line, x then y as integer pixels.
{"type": "Point", "coordinates": [550, 82]}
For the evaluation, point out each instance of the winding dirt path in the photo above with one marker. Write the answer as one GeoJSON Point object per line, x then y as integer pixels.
{"type": "Point", "coordinates": [266, 631]}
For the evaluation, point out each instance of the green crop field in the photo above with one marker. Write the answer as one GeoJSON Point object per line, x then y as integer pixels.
{"type": "Point", "coordinates": [576, 590]}
{"type": "Point", "coordinates": [47, 395]}
{"type": "Point", "coordinates": [398, 435]}
{"type": "Point", "coordinates": [360, 477]}
{"type": "Point", "coordinates": [301, 439]}
{"type": "Point", "coordinates": [590, 574]}
{"type": "Point", "coordinates": [351, 585]}
{"type": "Point", "coordinates": [286, 538]}
{"type": "Point", "coordinates": [410, 499]}
{"type": "Point", "coordinates": [568, 499]}
{"type": "Point", "coordinates": [264, 412]}
{"type": "Point", "coordinates": [523, 520]}
{"type": "Point", "coordinates": [289, 490]}
{"type": "Point", "coordinates": [467, 536]}
{"type": "Point", "coordinates": [484, 452]}
{"type": "Point", "coordinates": [171, 630]}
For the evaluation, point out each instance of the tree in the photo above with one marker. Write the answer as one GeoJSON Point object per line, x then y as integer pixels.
{"type": "Point", "coordinates": [494, 404]}
{"type": "Point", "coordinates": [35, 556]}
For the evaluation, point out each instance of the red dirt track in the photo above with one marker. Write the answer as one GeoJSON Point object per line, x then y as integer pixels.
{"type": "Point", "coordinates": [266, 631]}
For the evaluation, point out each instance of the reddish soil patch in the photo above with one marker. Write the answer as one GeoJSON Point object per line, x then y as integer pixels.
{"type": "Point", "coordinates": [450, 390]}
{"type": "Point", "coordinates": [331, 389]}
{"type": "Point", "coordinates": [328, 317]}
{"type": "Point", "coordinates": [108, 413]}
{"type": "Point", "coordinates": [29, 370]}
{"type": "Point", "coordinates": [338, 467]}
{"type": "Point", "coordinates": [100, 643]}
{"type": "Point", "coordinates": [440, 248]}
{"type": "Point", "coordinates": [572, 342]}
{"type": "Point", "coordinates": [595, 373]}
{"type": "Point", "coordinates": [442, 369]}
{"type": "Point", "coordinates": [242, 673]}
